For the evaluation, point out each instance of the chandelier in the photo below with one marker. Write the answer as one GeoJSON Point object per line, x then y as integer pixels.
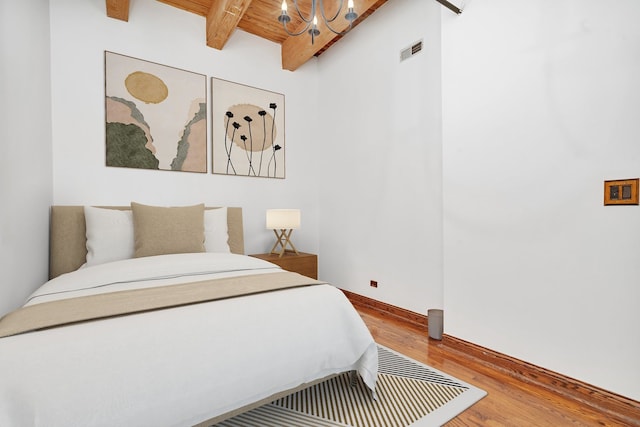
{"type": "Point", "coordinates": [311, 21]}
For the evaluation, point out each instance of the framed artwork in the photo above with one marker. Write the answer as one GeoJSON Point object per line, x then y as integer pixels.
{"type": "Point", "coordinates": [248, 130]}
{"type": "Point", "coordinates": [155, 116]}
{"type": "Point", "coordinates": [621, 192]}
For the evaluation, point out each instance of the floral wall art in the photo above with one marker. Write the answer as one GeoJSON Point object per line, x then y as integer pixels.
{"type": "Point", "coordinates": [248, 130]}
{"type": "Point", "coordinates": [156, 116]}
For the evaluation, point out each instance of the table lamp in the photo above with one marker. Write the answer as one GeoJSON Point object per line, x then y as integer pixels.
{"type": "Point", "coordinates": [283, 222]}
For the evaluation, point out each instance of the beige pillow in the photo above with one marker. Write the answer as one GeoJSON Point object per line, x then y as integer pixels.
{"type": "Point", "coordinates": [164, 230]}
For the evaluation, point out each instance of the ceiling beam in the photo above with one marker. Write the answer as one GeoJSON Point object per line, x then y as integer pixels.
{"type": "Point", "coordinates": [222, 20]}
{"type": "Point", "coordinates": [118, 9]}
{"type": "Point", "coordinates": [296, 50]}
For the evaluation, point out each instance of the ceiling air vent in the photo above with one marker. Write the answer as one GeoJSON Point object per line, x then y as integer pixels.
{"type": "Point", "coordinates": [410, 51]}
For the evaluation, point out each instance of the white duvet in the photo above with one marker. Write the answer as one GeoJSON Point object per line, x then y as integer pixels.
{"type": "Point", "coordinates": [178, 366]}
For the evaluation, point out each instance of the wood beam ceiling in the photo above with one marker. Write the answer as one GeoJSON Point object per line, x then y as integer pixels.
{"type": "Point", "coordinates": [222, 19]}
{"type": "Point", "coordinates": [260, 17]}
{"type": "Point", "coordinates": [118, 9]}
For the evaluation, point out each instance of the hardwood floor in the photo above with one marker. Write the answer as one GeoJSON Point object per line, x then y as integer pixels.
{"type": "Point", "coordinates": [510, 401]}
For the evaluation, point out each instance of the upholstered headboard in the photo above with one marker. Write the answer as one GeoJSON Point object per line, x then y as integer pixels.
{"type": "Point", "coordinates": [67, 237]}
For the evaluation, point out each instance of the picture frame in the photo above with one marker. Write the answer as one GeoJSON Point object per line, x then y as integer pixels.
{"type": "Point", "coordinates": [621, 192]}
{"type": "Point", "coordinates": [155, 116]}
{"type": "Point", "coordinates": [248, 130]}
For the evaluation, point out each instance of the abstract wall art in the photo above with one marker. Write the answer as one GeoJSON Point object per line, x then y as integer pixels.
{"type": "Point", "coordinates": [248, 130]}
{"type": "Point", "coordinates": [156, 116]}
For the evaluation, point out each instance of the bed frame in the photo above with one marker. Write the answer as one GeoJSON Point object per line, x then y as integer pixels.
{"type": "Point", "coordinates": [68, 242]}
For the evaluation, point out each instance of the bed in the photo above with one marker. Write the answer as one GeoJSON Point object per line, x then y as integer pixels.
{"type": "Point", "coordinates": [171, 336]}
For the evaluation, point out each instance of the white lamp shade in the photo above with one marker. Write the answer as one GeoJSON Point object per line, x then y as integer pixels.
{"type": "Point", "coordinates": [283, 219]}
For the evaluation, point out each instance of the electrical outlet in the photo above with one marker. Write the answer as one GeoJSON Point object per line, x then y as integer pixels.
{"type": "Point", "coordinates": [373, 284]}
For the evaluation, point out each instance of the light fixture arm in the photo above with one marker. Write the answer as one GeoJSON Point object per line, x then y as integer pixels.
{"type": "Point", "coordinates": [284, 19]}
{"type": "Point", "coordinates": [313, 11]}
{"type": "Point", "coordinates": [350, 16]}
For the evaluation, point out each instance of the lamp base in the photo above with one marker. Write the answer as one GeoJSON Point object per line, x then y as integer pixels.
{"type": "Point", "coordinates": [283, 240]}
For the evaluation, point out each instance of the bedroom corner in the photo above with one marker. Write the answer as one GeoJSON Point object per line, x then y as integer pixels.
{"type": "Point", "coordinates": [25, 165]}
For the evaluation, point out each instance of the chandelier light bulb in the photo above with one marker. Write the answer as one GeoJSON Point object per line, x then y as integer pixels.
{"type": "Point", "coordinates": [284, 18]}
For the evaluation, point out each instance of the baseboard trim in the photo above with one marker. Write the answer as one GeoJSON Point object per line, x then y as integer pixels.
{"type": "Point", "coordinates": [614, 406]}
{"type": "Point", "coordinates": [415, 319]}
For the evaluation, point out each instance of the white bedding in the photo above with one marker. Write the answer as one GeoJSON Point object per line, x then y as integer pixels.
{"type": "Point", "coordinates": [178, 366]}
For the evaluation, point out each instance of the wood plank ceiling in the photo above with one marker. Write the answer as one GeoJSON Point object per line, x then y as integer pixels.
{"type": "Point", "coordinates": [260, 17]}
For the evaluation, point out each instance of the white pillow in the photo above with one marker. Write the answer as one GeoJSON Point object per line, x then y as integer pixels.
{"type": "Point", "coordinates": [216, 233]}
{"type": "Point", "coordinates": [109, 235]}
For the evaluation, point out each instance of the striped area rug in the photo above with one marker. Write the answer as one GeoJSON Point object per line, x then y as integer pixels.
{"type": "Point", "coordinates": [409, 393]}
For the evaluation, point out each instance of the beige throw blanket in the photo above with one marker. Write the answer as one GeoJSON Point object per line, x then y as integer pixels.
{"type": "Point", "coordinates": [72, 310]}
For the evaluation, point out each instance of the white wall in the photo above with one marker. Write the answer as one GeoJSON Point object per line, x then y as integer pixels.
{"type": "Point", "coordinates": [380, 192]}
{"type": "Point", "coordinates": [25, 143]}
{"type": "Point", "coordinates": [540, 106]}
{"type": "Point", "coordinates": [81, 32]}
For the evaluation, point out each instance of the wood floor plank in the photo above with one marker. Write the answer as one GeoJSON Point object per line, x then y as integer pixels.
{"type": "Point", "coordinates": [510, 401]}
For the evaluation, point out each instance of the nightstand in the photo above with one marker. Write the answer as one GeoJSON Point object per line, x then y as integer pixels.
{"type": "Point", "coordinates": [305, 264]}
